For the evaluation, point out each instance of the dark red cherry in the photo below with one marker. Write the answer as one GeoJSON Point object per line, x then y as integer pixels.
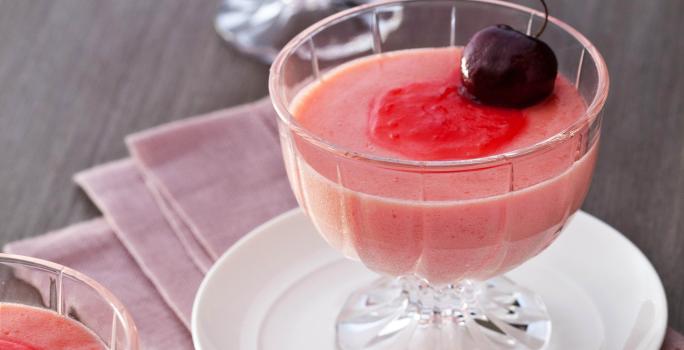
{"type": "Point", "coordinates": [504, 67]}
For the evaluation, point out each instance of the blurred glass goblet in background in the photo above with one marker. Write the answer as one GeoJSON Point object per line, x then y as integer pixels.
{"type": "Point", "coordinates": [260, 28]}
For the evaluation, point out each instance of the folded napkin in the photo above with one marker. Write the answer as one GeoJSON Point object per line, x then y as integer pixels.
{"type": "Point", "coordinates": [189, 191]}
{"type": "Point", "coordinates": [119, 190]}
{"type": "Point", "coordinates": [223, 173]}
{"type": "Point", "coordinates": [199, 185]}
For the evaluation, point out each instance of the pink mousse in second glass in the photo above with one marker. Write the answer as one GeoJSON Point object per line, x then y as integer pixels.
{"type": "Point", "coordinates": [29, 328]}
{"type": "Point", "coordinates": [441, 225]}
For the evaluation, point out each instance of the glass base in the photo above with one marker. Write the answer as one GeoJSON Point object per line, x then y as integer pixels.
{"type": "Point", "coordinates": [407, 313]}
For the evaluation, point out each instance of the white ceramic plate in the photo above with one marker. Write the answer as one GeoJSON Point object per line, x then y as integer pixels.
{"type": "Point", "coordinates": [281, 287]}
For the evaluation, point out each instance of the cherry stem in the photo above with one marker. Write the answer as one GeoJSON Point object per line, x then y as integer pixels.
{"type": "Point", "coordinates": [546, 19]}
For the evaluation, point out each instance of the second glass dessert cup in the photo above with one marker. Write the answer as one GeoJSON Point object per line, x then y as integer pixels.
{"type": "Point", "coordinates": [69, 294]}
{"type": "Point", "coordinates": [441, 233]}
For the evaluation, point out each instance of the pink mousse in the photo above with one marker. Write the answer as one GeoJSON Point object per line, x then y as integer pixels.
{"type": "Point", "coordinates": [29, 328]}
{"type": "Point", "coordinates": [445, 225]}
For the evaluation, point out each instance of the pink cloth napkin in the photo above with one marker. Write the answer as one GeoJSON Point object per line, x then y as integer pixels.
{"type": "Point", "coordinates": [204, 183]}
{"type": "Point", "coordinates": [119, 190]}
{"type": "Point", "coordinates": [189, 191]}
{"type": "Point", "coordinates": [673, 340]}
{"type": "Point", "coordinates": [223, 173]}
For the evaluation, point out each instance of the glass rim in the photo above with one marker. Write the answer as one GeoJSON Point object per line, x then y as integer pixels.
{"type": "Point", "coordinates": [281, 107]}
{"type": "Point", "coordinates": [117, 306]}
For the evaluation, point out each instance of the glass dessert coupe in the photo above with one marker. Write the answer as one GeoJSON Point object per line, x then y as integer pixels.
{"type": "Point", "coordinates": [440, 232]}
{"type": "Point", "coordinates": [52, 306]}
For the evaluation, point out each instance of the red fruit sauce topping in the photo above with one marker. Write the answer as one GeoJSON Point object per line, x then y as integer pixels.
{"type": "Point", "coordinates": [6, 344]}
{"type": "Point", "coordinates": [432, 121]}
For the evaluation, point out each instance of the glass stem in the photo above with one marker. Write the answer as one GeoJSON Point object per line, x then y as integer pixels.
{"type": "Point", "coordinates": [443, 303]}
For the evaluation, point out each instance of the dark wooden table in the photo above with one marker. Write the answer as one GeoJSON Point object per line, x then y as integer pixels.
{"type": "Point", "coordinates": [76, 76]}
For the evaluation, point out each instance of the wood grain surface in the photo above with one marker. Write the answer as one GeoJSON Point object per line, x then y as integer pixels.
{"type": "Point", "coordinates": [76, 76]}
